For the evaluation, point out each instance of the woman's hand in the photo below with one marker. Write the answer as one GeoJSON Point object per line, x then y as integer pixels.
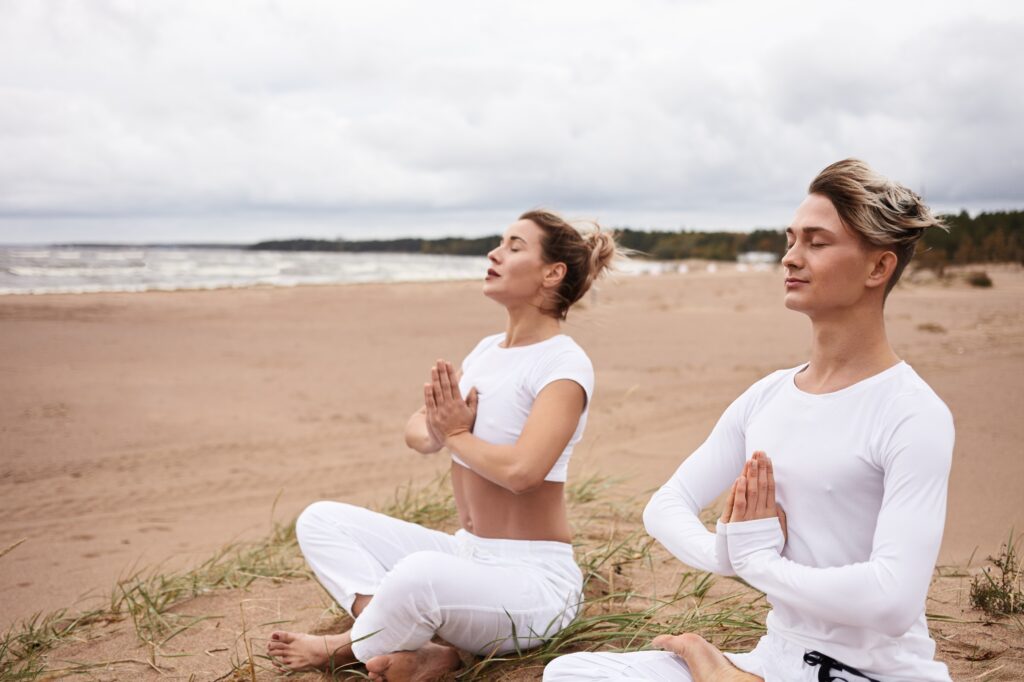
{"type": "Point", "coordinates": [447, 413]}
{"type": "Point", "coordinates": [436, 438]}
{"type": "Point", "coordinates": [752, 495]}
{"type": "Point", "coordinates": [419, 435]}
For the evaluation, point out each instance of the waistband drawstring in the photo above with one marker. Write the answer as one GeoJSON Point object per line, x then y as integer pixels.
{"type": "Point", "coordinates": [828, 665]}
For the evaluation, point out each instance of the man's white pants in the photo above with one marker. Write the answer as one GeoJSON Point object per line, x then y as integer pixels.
{"type": "Point", "coordinates": [479, 594]}
{"type": "Point", "coordinates": [774, 659]}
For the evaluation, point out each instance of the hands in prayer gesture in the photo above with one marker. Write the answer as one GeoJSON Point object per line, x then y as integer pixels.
{"type": "Point", "coordinates": [753, 494]}
{"type": "Point", "coordinates": [448, 414]}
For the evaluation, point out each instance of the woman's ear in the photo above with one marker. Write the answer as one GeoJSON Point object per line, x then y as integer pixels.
{"type": "Point", "coordinates": [554, 274]}
{"type": "Point", "coordinates": [882, 267]}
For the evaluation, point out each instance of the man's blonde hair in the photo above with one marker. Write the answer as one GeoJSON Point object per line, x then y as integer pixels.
{"type": "Point", "coordinates": [883, 212]}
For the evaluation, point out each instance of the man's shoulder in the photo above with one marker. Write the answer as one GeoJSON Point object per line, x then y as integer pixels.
{"type": "Point", "coordinates": [776, 379]}
{"type": "Point", "coordinates": [909, 392]}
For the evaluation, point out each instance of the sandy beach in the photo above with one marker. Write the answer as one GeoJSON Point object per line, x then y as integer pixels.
{"type": "Point", "coordinates": [145, 429]}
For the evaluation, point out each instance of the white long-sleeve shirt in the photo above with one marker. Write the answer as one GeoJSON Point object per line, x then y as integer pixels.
{"type": "Point", "coordinates": [862, 474]}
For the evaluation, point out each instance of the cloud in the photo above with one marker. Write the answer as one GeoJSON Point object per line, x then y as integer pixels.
{"type": "Point", "coordinates": [207, 120]}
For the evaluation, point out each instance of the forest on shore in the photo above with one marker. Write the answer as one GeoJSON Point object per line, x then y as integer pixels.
{"type": "Point", "coordinates": [987, 237]}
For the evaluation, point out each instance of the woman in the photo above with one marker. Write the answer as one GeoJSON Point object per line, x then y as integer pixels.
{"type": "Point", "coordinates": [510, 417]}
{"type": "Point", "coordinates": [853, 443]}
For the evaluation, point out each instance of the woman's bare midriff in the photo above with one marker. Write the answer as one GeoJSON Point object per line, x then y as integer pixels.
{"type": "Point", "coordinates": [489, 511]}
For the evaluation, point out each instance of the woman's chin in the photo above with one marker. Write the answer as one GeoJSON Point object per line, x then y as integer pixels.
{"type": "Point", "coordinates": [492, 292]}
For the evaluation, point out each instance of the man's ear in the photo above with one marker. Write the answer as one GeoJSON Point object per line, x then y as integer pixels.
{"type": "Point", "coordinates": [554, 274]}
{"type": "Point", "coordinates": [882, 267]}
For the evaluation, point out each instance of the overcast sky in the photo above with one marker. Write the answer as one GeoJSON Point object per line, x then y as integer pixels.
{"type": "Point", "coordinates": [228, 121]}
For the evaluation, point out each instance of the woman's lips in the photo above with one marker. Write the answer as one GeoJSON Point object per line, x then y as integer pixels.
{"type": "Point", "coordinates": [492, 273]}
{"type": "Point", "coordinates": [793, 282]}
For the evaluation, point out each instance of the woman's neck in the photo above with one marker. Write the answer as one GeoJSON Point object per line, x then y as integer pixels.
{"type": "Point", "coordinates": [527, 324]}
{"type": "Point", "coordinates": [845, 349]}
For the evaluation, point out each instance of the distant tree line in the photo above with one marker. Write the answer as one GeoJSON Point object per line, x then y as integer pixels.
{"type": "Point", "coordinates": [452, 246]}
{"type": "Point", "coordinates": [707, 245]}
{"type": "Point", "coordinates": [988, 237]}
{"type": "Point", "coordinates": [996, 237]}
{"type": "Point", "coordinates": [656, 245]}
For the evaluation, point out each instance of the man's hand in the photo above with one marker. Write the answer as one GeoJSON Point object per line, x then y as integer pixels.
{"type": "Point", "coordinates": [752, 495]}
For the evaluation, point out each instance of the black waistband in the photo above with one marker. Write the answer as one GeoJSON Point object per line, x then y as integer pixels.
{"type": "Point", "coordinates": [829, 665]}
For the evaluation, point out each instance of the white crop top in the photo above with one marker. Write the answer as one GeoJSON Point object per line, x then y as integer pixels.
{"type": "Point", "coordinates": [508, 380]}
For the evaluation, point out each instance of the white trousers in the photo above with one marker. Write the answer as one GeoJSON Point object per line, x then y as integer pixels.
{"type": "Point", "coordinates": [774, 659]}
{"type": "Point", "coordinates": [482, 595]}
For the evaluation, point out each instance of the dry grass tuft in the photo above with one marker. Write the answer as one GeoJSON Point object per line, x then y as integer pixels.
{"type": "Point", "coordinates": [999, 589]}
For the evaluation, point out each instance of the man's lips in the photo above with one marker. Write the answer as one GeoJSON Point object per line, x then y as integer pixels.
{"type": "Point", "coordinates": [795, 281]}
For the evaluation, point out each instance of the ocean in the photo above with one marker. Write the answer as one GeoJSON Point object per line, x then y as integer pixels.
{"type": "Point", "coordinates": [61, 269]}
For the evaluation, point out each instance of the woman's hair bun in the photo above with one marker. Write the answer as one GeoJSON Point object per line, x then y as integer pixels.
{"type": "Point", "coordinates": [603, 251]}
{"type": "Point", "coordinates": [586, 250]}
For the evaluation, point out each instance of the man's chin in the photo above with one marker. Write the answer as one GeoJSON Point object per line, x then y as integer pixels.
{"type": "Point", "coordinates": [793, 302]}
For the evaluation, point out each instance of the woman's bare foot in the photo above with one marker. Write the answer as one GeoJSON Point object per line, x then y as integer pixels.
{"type": "Point", "coordinates": [423, 665]}
{"type": "Point", "coordinates": [310, 652]}
{"type": "Point", "coordinates": [706, 663]}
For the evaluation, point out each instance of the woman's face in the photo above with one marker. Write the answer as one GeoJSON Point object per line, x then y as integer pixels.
{"type": "Point", "coordinates": [828, 267]}
{"type": "Point", "coordinates": [518, 271]}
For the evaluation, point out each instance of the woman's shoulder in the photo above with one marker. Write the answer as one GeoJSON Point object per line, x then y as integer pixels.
{"type": "Point", "coordinates": [559, 357]}
{"type": "Point", "coordinates": [489, 342]}
{"type": "Point", "coordinates": [483, 345]}
{"type": "Point", "coordinates": [564, 347]}
{"type": "Point", "coordinates": [566, 342]}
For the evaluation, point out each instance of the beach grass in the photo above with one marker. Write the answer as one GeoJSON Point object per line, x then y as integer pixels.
{"type": "Point", "coordinates": [146, 599]}
{"type": "Point", "coordinates": [999, 589]}
{"type": "Point", "coordinates": [633, 592]}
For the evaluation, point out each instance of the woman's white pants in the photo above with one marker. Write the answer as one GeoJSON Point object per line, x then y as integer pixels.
{"type": "Point", "coordinates": [481, 595]}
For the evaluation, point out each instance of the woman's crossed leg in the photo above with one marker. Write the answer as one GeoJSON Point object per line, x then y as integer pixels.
{"type": "Point", "coordinates": [405, 584]}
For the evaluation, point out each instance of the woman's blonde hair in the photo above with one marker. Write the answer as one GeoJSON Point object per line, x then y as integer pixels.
{"type": "Point", "coordinates": [883, 212]}
{"type": "Point", "coordinates": [586, 254]}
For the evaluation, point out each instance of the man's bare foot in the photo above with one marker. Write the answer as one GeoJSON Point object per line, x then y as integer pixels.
{"type": "Point", "coordinates": [423, 665]}
{"type": "Point", "coordinates": [310, 652]}
{"type": "Point", "coordinates": [706, 663]}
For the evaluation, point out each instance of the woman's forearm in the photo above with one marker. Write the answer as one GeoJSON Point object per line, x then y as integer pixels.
{"type": "Point", "coordinates": [500, 464]}
{"type": "Point", "coordinates": [517, 467]}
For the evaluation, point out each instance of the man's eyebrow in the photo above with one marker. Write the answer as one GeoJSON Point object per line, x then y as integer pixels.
{"type": "Point", "coordinates": [806, 230]}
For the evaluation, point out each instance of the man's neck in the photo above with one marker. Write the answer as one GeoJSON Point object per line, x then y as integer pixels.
{"type": "Point", "coordinates": [847, 347]}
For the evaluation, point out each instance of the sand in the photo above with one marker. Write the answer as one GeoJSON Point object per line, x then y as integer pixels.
{"type": "Point", "coordinates": [143, 429]}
